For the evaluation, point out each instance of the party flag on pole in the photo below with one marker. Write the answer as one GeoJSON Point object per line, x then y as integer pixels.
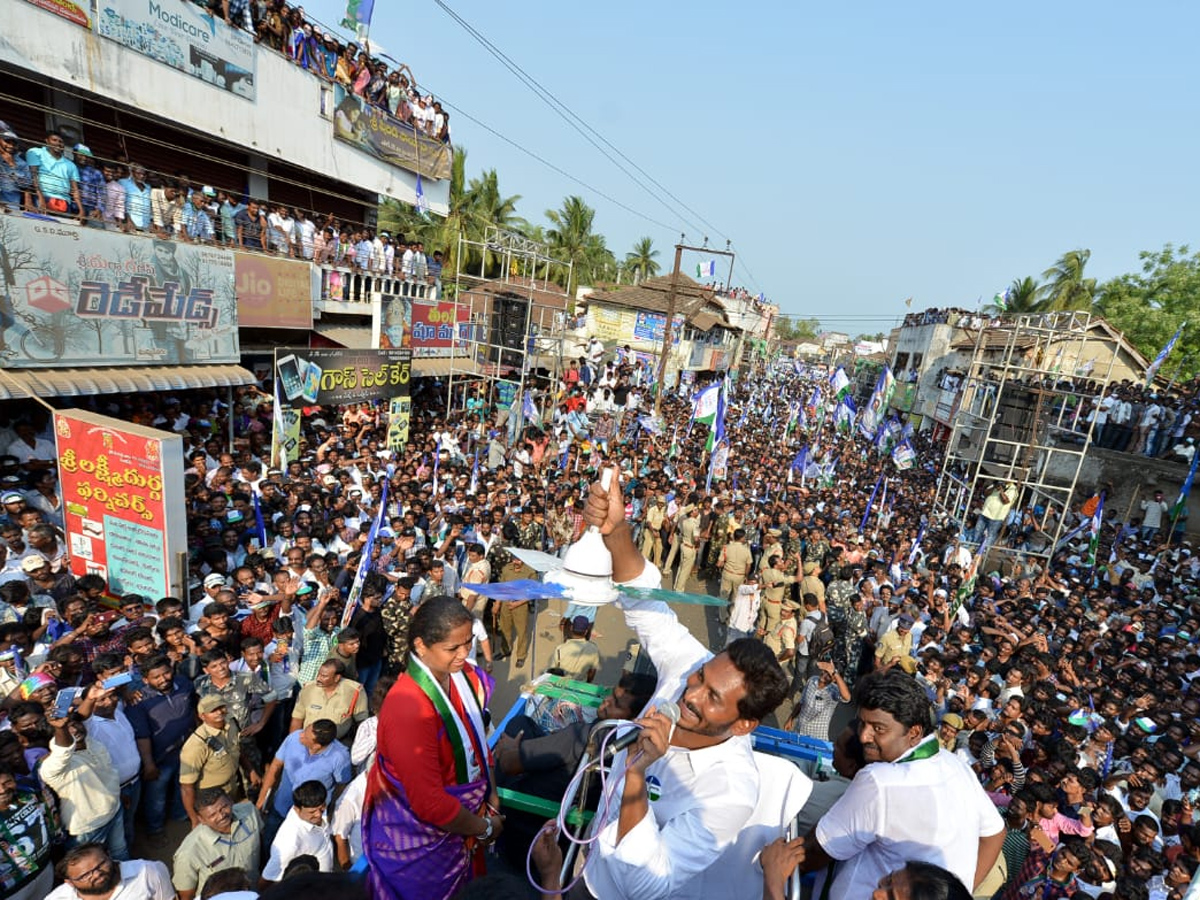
{"type": "Point", "coordinates": [871, 502]}
{"type": "Point", "coordinates": [1163, 354]}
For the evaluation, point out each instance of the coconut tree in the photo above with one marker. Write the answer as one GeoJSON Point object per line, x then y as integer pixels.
{"type": "Point", "coordinates": [1065, 287]}
{"type": "Point", "coordinates": [1024, 295]}
{"type": "Point", "coordinates": [571, 238]}
{"type": "Point", "coordinates": [641, 259]}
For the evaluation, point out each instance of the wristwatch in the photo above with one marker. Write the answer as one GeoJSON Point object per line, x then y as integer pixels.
{"type": "Point", "coordinates": [487, 831]}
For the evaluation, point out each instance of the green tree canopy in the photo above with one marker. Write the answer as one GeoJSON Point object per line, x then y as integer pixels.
{"type": "Point", "coordinates": [1149, 305]}
{"type": "Point", "coordinates": [787, 329]}
{"type": "Point", "coordinates": [1065, 287]}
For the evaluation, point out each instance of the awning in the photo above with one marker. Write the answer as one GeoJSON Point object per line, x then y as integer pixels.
{"type": "Point", "coordinates": [703, 321]}
{"type": "Point", "coordinates": [352, 337]}
{"type": "Point", "coordinates": [19, 384]}
{"type": "Point", "coordinates": [440, 366]}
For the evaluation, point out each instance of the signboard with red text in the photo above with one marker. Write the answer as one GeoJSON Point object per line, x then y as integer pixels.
{"type": "Point", "coordinates": [123, 501]}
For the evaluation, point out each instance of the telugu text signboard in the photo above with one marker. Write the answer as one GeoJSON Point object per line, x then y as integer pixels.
{"type": "Point", "coordinates": [84, 297]}
{"type": "Point", "coordinates": [123, 502]}
{"type": "Point", "coordinates": [273, 293]}
{"type": "Point", "coordinates": [183, 36]}
{"type": "Point", "coordinates": [336, 376]}
{"type": "Point", "coordinates": [385, 137]}
{"type": "Point", "coordinates": [440, 329]}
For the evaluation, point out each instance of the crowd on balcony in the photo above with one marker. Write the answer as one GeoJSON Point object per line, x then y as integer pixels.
{"type": "Point", "coordinates": [957, 318]}
{"type": "Point", "coordinates": [287, 30]}
{"type": "Point", "coordinates": [126, 196]}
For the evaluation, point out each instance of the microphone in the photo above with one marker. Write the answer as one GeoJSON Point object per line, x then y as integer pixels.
{"type": "Point", "coordinates": [667, 709]}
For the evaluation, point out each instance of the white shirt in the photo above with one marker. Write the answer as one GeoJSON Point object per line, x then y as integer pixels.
{"type": "Point", "coordinates": [347, 819]}
{"type": "Point", "coordinates": [116, 734]}
{"type": "Point", "coordinates": [141, 879]}
{"type": "Point", "coordinates": [86, 784]}
{"type": "Point", "coordinates": [744, 615]}
{"type": "Point", "coordinates": [41, 449]}
{"type": "Point", "coordinates": [297, 838]}
{"type": "Point", "coordinates": [932, 810]}
{"type": "Point", "coordinates": [705, 797]}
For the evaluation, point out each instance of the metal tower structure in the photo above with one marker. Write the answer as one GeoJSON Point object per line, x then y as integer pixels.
{"type": "Point", "coordinates": [1018, 420]}
{"type": "Point", "coordinates": [519, 316]}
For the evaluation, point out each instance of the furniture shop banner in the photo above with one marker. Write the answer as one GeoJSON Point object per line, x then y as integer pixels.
{"type": "Point", "coordinates": [123, 502]}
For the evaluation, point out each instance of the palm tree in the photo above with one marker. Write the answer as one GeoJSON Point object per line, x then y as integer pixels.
{"type": "Point", "coordinates": [435, 232]}
{"type": "Point", "coordinates": [1065, 287]}
{"type": "Point", "coordinates": [640, 260]}
{"type": "Point", "coordinates": [571, 238]}
{"type": "Point", "coordinates": [1024, 295]}
{"type": "Point", "coordinates": [487, 207]}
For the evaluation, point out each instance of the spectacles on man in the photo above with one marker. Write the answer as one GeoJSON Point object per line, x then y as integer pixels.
{"type": "Point", "coordinates": [101, 867]}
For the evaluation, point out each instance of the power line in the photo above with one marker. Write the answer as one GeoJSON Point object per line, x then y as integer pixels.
{"type": "Point", "coordinates": [545, 162]}
{"type": "Point", "coordinates": [573, 119]}
{"type": "Point", "coordinates": [569, 116]}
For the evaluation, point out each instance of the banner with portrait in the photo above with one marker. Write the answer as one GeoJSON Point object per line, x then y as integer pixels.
{"type": "Point", "coordinates": [79, 296]}
{"type": "Point", "coordinates": [378, 132]}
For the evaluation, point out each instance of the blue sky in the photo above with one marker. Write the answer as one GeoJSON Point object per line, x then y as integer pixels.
{"type": "Point", "coordinates": [856, 154]}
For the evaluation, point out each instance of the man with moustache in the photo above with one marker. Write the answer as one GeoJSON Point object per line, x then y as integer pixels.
{"type": "Point", "coordinates": [918, 802]}
{"type": "Point", "coordinates": [89, 873]}
{"type": "Point", "coordinates": [700, 772]}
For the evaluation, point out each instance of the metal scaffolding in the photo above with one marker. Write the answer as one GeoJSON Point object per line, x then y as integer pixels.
{"type": "Point", "coordinates": [1019, 419]}
{"type": "Point", "coordinates": [519, 317]}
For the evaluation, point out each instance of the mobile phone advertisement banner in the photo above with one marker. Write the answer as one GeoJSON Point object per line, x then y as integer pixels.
{"type": "Point", "coordinates": [335, 376]}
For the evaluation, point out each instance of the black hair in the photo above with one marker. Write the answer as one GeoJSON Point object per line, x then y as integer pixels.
{"type": "Point", "coordinates": [325, 731]}
{"type": "Point", "coordinates": [437, 617]}
{"type": "Point", "coordinates": [157, 661]}
{"type": "Point", "coordinates": [929, 882]}
{"type": "Point", "coordinates": [640, 688]}
{"type": "Point", "coordinates": [106, 662]}
{"type": "Point", "coordinates": [765, 683]}
{"type": "Point", "coordinates": [206, 797]}
{"type": "Point", "coordinates": [167, 624]}
{"type": "Point", "coordinates": [137, 633]}
{"type": "Point", "coordinates": [898, 694]}
{"type": "Point", "coordinates": [308, 795]}
{"type": "Point", "coordinates": [337, 665]}
{"type": "Point", "coordinates": [211, 656]}
{"type": "Point", "coordinates": [83, 851]}
{"type": "Point", "coordinates": [251, 642]}
{"type": "Point", "coordinates": [225, 881]}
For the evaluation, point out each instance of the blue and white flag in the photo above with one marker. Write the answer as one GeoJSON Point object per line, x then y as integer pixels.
{"type": "Point", "coordinates": [475, 473]}
{"type": "Point", "coordinates": [422, 203]}
{"type": "Point", "coordinates": [1162, 355]}
{"type": "Point", "coordinates": [1094, 537]}
{"type": "Point", "coordinates": [260, 526]}
{"type": "Point", "coordinates": [529, 408]}
{"type": "Point", "coordinates": [707, 269]}
{"type": "Point", "coordinates": [364, 564]}
{"type": "Point", "coordinates": [839, 383]}
{"type": "Point", "coordinates": [916, 547]}
{"type": "Point", "coordinates": [1186, 489]}
{"type": "Point", "coordinates": [870, 503]}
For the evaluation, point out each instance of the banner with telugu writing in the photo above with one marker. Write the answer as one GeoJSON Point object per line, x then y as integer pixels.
{"type": "Point", "coordinates": [85, 297]}
{"type": "Point", "coordinates": [329, 377]}
{"type": "Point", "coordinates": [440, 329]}
{"type": "Point", "coordinates": [381, 134]}
{"type": "Point", "coordinates": [123, 502]}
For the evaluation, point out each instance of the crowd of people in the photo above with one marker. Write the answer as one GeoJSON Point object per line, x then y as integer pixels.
{"type": "Point", "coordinates": [1026, 723]}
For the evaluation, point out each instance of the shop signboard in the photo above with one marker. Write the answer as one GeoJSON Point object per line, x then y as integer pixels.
{"type": "Point", "coordinates": [440, 329]}
{"type": "Point", "coordinates": [184, 36]}
{"type": "Point", "coordinates": [123, 502]}
{"type": "Point", "coordinates": [84, 297]}
{"type": "Point", "coordinates": [650, 327]}
{"type": "Point", "coordinates": [399, 416]}
{"type": "Point", "coordinates": [329, 377]}
{"type": "Point", "coordinates": [272, 292]}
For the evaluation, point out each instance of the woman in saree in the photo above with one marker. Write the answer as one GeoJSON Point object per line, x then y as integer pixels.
{"type": "Point", "coordinates": [431, 805]}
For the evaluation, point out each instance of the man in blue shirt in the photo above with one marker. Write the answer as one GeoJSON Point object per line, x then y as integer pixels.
{"type": "Point", "coordinates": [311, 754]}
{"type": "Point", "coordinates": [162, 721]}
{"type": "Point", "coordinates": [137, 199]}
{"type": "Point", "coordinates": [197, 223]}
{"type": "Point", "coordinates": [91, 186]}
{"type": "Point", "coordinates": [55, 178]}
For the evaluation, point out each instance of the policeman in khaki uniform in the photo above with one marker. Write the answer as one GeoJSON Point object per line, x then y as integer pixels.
{"type": "Point", "coordinates": [772, 547]}
{"type": "Point", "coordinates": [734, 564]}
{"type": "Point", "coordinates": [689, 543]}
{"type": "Point", "coordinates": [774, 586]}
{"type": "Point", "coordinates": [211, 756]}
{"type": "Point", "coordinates": [676, 519]}
{"type": "Point", "coordinates": [782, 638]}
{"type": "Point", "coordinates": [812, 584]}
{"type": "Point", "coordinates": [656, 515]}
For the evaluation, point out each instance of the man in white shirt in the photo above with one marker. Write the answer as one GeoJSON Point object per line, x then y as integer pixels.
{"type": "Point", "coordinates": [913, 801]}
{"type": "Point", "coordinates": [85, 780]}
{"type": "Point", "coordinates": [91, 873]}
{"type": "Point", "coordinates": [700, 771]}
{"type": "Point", "coordinates": [303, 832]}
{"type": "Point", "coordinates": [107, 724]}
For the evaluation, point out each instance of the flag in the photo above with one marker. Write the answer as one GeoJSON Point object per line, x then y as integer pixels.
{"type": "Point", "coordinates": [1071, 535]}
{"type": "Point", "coordinates": [422, 203]}
{"type": "Point", "coordinates": [437, 458]}
{"type": "Point", "coordinates": [259, 525]}
{"type": "Point", "coordinates": [1000, 301]}
{"type": "Point", "coordinates": [1186, 489]}
{"type": "Point", "coordinates": [971, 576]}
{"type": "Point", "coordinates": [870, 503]}
{"type": "Point", "coordinates": [562, 460]}
{"type": "Point", "coordinates": [475, 473]}
{"type": "Point", "coordinates": [839, 383]}
{"type": "Point", "coordinates": [529, 408]}
{"type": "Point", "coordinates": [704, 404]}
{"type": "Point", "coordinates": [707, 269]}
{"type": "Point", "coordinates": [717, 435]}
{"type": "Point", "coordinates": [904, 456]}
{"type": "Point", "coordinates": [1162, 355]}
{"type": "Point", "coordinates": [844, 414]}
{"type": "Point", "coordinates": [1094, 539]}
{"type": "Point", "coordinates": [916, 547]}
{"type": "Point", "coordinates": [358, 17]}
{"type": "Point", "coordinates": [801, 460]}
{"type": "Point", "coordinates": [815, 400]}
{"type": "Point", "coordinates": [885, 386]}
{"type": "Point", "coordinates": [364, 564]}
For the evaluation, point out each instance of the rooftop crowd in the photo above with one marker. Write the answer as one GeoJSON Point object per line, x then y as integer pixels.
{"type": "Point", "coordinates": [1060, 698]}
